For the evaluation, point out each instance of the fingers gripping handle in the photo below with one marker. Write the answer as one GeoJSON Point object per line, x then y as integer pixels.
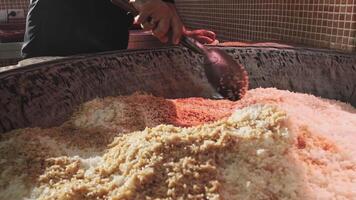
{"type": "Point", "coordinates": [188, 42]}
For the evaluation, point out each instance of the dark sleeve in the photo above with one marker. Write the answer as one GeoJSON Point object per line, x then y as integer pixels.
{"type": "Point", "coordinates": [170, 1]}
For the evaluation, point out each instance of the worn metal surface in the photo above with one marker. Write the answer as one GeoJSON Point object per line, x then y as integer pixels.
{"type": "Point", "coordinates": [45, 94]}
{"type": "Point", "coordinates": [322, 73]}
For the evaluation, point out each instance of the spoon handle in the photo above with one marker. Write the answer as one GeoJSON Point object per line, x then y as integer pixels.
{"type": "Point", "coordinates": [193, 45]}
{"type": "Point", "coordinates": [126, 5]}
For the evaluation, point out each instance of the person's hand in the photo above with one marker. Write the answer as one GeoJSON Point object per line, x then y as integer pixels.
{"type": "Point", "coordinates": [202, 36]}
{"type": "Point", "coordinates": [162, 19]}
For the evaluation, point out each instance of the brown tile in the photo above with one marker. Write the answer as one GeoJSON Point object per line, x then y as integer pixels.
{"type": "Point", "coordinates": [312, 22]}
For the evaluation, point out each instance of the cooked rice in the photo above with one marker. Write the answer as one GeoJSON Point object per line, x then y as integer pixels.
{"type": "Point", "coordinates": [273, 144]}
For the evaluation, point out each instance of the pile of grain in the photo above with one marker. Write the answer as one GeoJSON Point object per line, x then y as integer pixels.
{"type": "Point", "coordinates": [273, 144]}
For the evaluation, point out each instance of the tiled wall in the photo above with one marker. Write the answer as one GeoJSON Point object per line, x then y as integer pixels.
{"type": "Point", "coordinates": [313, 23]}
{"type": "Point", "coordinates": [21, 4]}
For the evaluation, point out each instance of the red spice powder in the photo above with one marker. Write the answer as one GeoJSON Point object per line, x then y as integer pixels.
{"type": "Point", "coordinates": [136, 112]}
{"type": "Point", "coordinates": [196, 111]}
{"type": "Point", "coordinates": [140, 111]}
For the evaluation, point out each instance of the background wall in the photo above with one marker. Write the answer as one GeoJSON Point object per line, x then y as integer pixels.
{"type": "Point", "coordinates": [314, 23]}
{"type": "Point", "coordinates": [15, 4]}
{"type": "Point", "coordinates": [5, 6]}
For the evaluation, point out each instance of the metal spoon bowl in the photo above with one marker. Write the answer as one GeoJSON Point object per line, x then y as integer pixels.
{"type": "Point", "coordinates": [229, 78]}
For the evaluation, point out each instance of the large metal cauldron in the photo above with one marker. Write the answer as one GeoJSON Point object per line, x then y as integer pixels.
{"type": "Point", "coordinates": [46, 94]}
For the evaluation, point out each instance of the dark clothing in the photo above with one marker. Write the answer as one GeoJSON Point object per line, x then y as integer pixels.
{"type": "Point", "coordinates": [67, 27]}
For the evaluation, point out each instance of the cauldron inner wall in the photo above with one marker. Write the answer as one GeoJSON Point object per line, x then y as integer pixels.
{"type": "Point", "coordinates": [46, 94]}
{"type": "Point", "coordinates": [322, 73]}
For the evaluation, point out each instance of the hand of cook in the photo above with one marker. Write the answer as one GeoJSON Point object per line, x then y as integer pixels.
{"type": "Point", "coordinates": [162, 18]}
